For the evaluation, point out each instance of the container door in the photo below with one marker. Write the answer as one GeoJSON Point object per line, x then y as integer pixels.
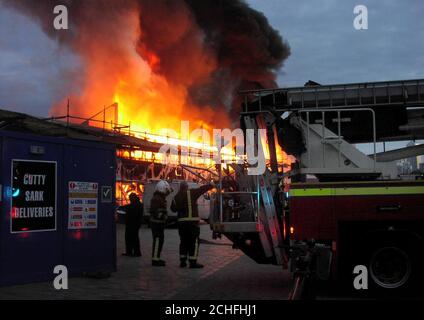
{"type": "Point", "coordinates": [30, 229]}
{"type": "Point", "coordinates": [90, 238]}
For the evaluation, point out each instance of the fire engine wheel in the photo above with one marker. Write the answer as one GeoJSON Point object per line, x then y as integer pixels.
{"type": "Point", "coordinates": [390, 267]}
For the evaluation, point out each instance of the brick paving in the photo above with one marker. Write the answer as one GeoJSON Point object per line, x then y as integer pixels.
{"type": "Point", "coordinates": [228, 274]}
{"type": "Point", "coordinates": [241, 279]}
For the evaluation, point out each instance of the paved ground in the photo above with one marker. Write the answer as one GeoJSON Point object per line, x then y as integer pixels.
{"type": "Point", "coordinates": [228, 274]}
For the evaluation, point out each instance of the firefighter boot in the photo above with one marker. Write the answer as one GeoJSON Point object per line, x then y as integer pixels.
{"type": "Point", "coordinates": [158, 263]}
{"type": "Point", "coordinates": [183, 263]}
{"type": "Point", "coordinates": [195, 265]}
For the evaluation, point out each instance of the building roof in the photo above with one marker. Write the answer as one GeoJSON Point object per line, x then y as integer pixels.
{"type": "Point", "coordinates": [20, 122]}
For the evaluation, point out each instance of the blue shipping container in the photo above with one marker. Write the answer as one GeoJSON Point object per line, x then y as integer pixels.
{"type": "Point", "coordinates": [57, 207]}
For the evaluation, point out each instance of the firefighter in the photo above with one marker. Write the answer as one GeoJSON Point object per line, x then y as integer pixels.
{"type": "Point", "coordinates": [158, 217]}
{"type": "Point", "coordinates": [133, 217]}
{"type": "Point", "coordinates": [185, 204]}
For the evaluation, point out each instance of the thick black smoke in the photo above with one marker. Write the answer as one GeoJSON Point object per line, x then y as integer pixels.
{"type": "Point", "coordinates": [232, 43]}
{"type": "Point", "coordinates": [243, 40]}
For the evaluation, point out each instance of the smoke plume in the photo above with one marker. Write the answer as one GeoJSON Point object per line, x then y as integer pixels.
{"type": "Point", "coordinates": [164, 58]}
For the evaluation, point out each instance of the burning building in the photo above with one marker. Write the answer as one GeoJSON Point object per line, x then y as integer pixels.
{"type": "Point", "coordinates": [148, 65]}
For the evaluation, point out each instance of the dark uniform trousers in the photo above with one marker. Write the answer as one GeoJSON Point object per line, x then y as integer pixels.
{"type": "Point", "coordinates": [185, 203]}
{"type": "Point", "coordinates": [158, 229]}
{"type": "Point", "coordinates": [189, 232]}
{"type": "Point", "coordinates": [132, 242]}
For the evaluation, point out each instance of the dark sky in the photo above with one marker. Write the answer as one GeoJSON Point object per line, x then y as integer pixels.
{"type": "Point", "coordinates": [31, 65]}
{"type": "Point", "coordinates": [325, 48]}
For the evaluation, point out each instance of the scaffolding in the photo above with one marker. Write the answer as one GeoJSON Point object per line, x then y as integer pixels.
{"type": "Point", "coordinates": [137, 166]}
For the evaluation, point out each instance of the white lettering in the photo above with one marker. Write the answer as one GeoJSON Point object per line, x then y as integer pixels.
{"type": "Point", "coordinates": [60, 282]}
{"type": "Point", "coordinates": [34, 196]}
{"type": "Point", "coordinates": [361, 20]}
{"type": "Point", "coordinates": [361, 280]}
{"type": "Point", "coordinates": [34, 179]}
{"type": "Point", "coordinates": [193, 311]}
{"type": "Point", "coordinates": [60, 21]}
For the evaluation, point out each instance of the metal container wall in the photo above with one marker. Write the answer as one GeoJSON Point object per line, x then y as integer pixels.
{"type": "Point", "coordinates": [31, 256]}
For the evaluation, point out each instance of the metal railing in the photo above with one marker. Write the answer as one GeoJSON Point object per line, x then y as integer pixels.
{"type": "Point", "coordinates": [253, 194]}
{"type": "Point", "coordinates": [353, 95]}
{"type": "Point", "coordinates": [339, 129]}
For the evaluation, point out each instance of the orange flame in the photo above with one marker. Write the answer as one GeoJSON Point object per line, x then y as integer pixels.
{"type": "Point", "coordinates": [149, 104]}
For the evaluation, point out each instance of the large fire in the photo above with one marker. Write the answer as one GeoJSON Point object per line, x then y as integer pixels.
{"type": "Point", "coordinates": [116, 72]}
{"type": "Point", "coordinates": [163, 62]}
{"type": "Point", "coordinates": [148, 105]}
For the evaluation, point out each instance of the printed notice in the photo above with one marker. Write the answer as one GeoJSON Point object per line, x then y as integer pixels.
{"type": "Point", "coordinates": [83, 198]}
{"type": "Point", "coordinates": [33, 196]}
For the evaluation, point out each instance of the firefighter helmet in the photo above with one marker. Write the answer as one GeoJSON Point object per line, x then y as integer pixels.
{"type": "Point", "coordinates": [163, 187]}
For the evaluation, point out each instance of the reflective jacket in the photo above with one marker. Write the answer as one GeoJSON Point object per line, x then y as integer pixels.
{"type": "Point", "coordinates": [158, 208]}
{"type": "Point", "coordinates": [185, 203]}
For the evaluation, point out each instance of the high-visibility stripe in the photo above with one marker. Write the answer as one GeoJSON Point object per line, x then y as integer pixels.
{"type": "Point", "coordinates": [189, 219]}
{"type": "Point", "coordinates": [379, 191]}
{"type": "Point", "coordinates": [156, 250]}
{"type": "Point", "coordinates": [183, 256]}
{"type": "Point", "coordinates": [311, 192]}
{"type": "Point", "coordinates": [196, 249]}
{"type": "Point", "coordinates": [190, 211]}
{"type": "Point", "coordinates": [323, 192]}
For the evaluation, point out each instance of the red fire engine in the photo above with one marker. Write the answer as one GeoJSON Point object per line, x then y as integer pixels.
{"type": "Point", "coordinates": [338, 207]}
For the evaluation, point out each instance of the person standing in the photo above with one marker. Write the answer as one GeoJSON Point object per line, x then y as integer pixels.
{"type": "Point", "coordinates": [158, 217]}
{"type": "Point", "coordinates": [185, 204]}
{"type": "Point", "coordinates": [133, 217]}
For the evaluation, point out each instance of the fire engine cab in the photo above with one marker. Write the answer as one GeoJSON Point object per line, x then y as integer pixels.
{"type": "Point", "coordinates": [337, 207]}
